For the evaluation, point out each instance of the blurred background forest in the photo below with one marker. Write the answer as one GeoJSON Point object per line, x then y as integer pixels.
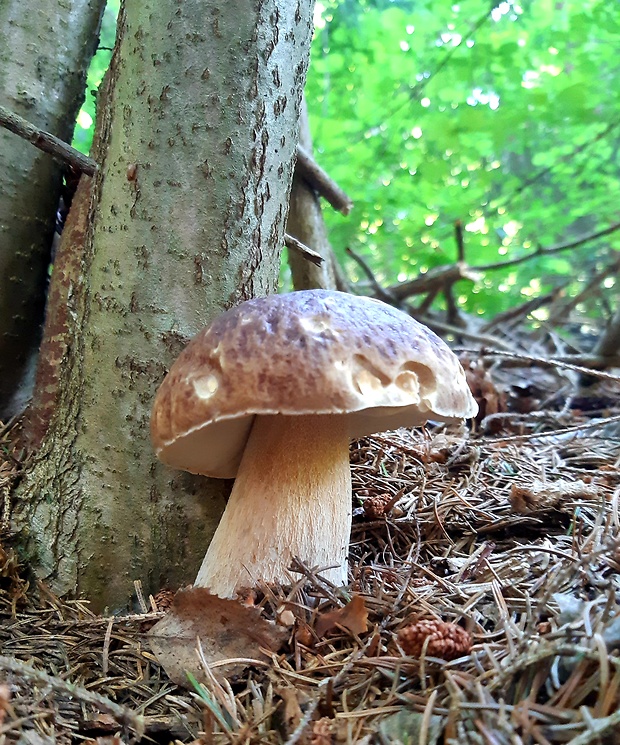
{"type": "Point", "coordinates": [504, 120]}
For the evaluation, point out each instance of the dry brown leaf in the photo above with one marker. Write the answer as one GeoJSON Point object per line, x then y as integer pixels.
{"type": "Point", "coordinates": [292, 714]}
{"type": "Point", "coordinates": [490, 400]}
{"type": "Point", "coordinates": [226, 630]}
{"type": "Point", "coordinates": [102, 721]}
{"type": "Point", "coordinates": [354, 617]}
{"type": "Point", "coordinates": [542, 495]}
{"type": "Point", "coordinates": [322, 732]}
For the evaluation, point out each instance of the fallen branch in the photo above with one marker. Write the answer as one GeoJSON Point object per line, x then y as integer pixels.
{"type": "Point", "coordinates": [301, 248]}
{"type": "Point", "coordinates": [608, 345]}
{"type": "Point", "coordinates": [560, 311]}
{"type": "Point", "coordinates": [342, 281]}
{"type": "Point", "coordinates": [541, 251]}
{"type": "Point", "coordinates": [437, 278]}
{"type": "Point", "coordinates": [523, 310]}
{"type": "Point", "coordinates": [567, 158]}
{"type": "Point", "coordinates": [425, 305]}
{"type": "Point", "coordinates": [380, 291]}
{"type": "Point", "coordinates": [496, 344]}
{"type": "Point", "coordinates": [312, 172]}
{"type": "Point", "coordinates": [581, 363]}
{"type": "Point", "coordinates": [547, 436]}
{"type": "Point", "coordinates": [46, 142]}
{"type": "Point", "coordinates": [453, 316]}
{"type": "Point", "coordinates": [460, 241]}
{"type": "Point", "coordinates": [441, 277]}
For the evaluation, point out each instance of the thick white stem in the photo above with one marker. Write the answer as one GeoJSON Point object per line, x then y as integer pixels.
{"type": "Point", "coordinates": [292, 497]}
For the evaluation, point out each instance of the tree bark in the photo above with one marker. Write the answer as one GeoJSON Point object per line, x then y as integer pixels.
{"type": "Point", "coordinates": [196, 141]}
{"type": "Point", "coordinates": [59, 325]}
{"type": "Point", "coordinates": [305, 222]}
{"type": "Point", "coordinates": [45, 50]}
{"type": "Point", "coordinates": [608, 344]}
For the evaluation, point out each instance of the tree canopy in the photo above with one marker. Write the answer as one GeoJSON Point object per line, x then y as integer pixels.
{"type": "Point", "coordinates": [501, 116]}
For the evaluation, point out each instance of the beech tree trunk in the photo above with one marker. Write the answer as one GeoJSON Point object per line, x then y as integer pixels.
{"type": "Point", "coordinates": [195, 141]}
{"type": "Point", "coordinates": [45, 49]}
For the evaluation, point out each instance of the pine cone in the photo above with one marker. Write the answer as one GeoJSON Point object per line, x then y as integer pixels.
{"type": "Point", "coordinates": [445, 640]}
{"type": "Point", "coordinates": [377, 507]}
{"type": "Point", "coordinates": [163, 599]}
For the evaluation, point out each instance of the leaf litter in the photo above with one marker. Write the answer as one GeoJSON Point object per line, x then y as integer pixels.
{"type": "Point", "coordinates": [501, 546]}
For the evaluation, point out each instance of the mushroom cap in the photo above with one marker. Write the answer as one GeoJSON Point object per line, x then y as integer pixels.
{"type": "Point", "coordinates": [307, 352]}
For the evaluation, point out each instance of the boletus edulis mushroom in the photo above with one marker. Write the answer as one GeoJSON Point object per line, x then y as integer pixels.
{"type": "Point", "coordinates": [270, 394]}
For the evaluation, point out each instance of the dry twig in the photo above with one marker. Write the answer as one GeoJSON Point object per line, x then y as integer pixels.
{"type": "Point", "coordinates": [46, 142]}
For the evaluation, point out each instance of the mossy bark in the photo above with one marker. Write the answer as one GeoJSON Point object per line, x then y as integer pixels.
{"type": "Point", "coordinates": [195, 144]}
{"type": "Point", "coordinates": [45, 49]}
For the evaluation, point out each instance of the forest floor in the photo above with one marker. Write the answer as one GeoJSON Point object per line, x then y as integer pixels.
{"type": "Point", "coordinates": [482, 606]}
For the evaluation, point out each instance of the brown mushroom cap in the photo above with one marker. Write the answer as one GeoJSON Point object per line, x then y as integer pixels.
{"type": "Point", "coordinates": [307, 352]}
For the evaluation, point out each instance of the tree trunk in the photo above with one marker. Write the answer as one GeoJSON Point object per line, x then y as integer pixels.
{"type": "Point", "coordinates": [305, 222]}
{"type": "Point", "coordinates": [196, 140]}
{"type": "Point", "coordinates": [45, 49]}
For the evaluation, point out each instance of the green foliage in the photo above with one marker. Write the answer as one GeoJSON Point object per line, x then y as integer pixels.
{"type": "Point", "coordinates": [84, 127]}
{"type": "Point", "coordinates": [507, 119]}
{"type": "Point", "coordinates": [504, 116]}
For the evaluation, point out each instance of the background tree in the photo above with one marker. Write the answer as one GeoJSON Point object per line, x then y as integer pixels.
{"type": "Point", "coordinates": [305, 222]}
{"type": "Point", "coordinates": [44, 53]}
{"type": "Point", "coordinates": [195, 142]}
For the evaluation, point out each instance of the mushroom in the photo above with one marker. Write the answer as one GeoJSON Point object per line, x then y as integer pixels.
{"type": "Point", "coordinates": [271, 393]}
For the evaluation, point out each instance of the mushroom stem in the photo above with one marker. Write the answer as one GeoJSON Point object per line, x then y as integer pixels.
{"type": "Point", "coordinates": [292, 497]}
